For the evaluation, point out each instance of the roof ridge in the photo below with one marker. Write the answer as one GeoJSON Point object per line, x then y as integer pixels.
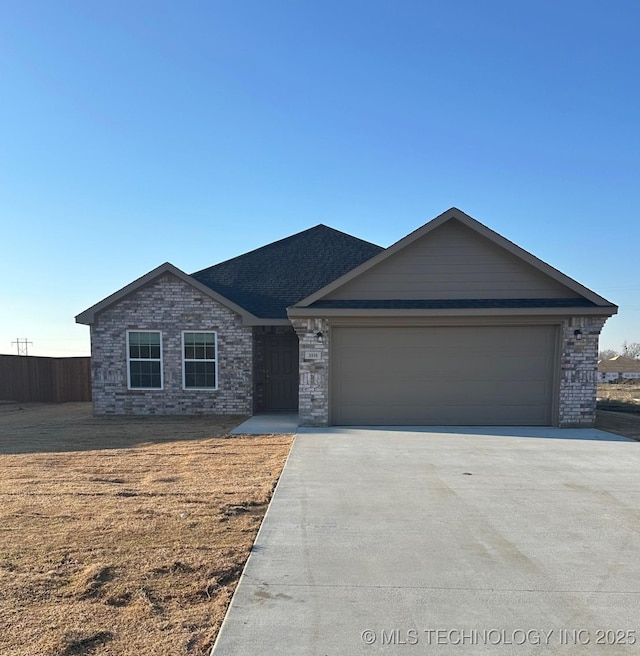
{"type": "Point", "coordinates": [290, 238]}
{"type": "Point", "coordinates": [273, 277]}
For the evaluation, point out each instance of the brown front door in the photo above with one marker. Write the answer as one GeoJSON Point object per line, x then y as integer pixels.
{"type": "Point", "coordinates": [281, 372]}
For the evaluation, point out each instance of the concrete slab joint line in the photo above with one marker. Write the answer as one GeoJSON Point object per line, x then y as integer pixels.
{"type": "Point", "coordinates": [379, 536]}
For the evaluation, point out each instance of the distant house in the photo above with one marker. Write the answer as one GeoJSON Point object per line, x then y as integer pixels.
{"type": "Point", "coordinates": [618, 368]}
{"type": "Point", "coordinates": [452, 325]}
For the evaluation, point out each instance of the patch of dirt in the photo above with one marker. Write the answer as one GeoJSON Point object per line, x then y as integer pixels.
{"type": "Point", "coordinates": [620, 423]}
{"type": "Point", "coordinates": [121, 537]}
{"type": "Point", "coordinates": [619, 409]}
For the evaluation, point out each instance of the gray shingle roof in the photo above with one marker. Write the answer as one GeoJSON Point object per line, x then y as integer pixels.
{"type": "Point", "coordinates": [269, 279]}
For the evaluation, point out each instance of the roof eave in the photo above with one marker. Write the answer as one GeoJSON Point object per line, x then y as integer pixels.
{"type": "Point", "coordinates": [299, 312]}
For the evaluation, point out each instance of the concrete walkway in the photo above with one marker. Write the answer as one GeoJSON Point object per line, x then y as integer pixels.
{"type": "Point", "coordinates": [269, 423]}
{"type": "Point", "coordinates": [445, 541]}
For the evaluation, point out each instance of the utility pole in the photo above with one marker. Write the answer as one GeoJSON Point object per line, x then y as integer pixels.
{"type": "Point", "coordinates": [22, 345]}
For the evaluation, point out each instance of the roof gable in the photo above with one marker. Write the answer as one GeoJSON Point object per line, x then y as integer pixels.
{"type": "Point", "coordinates": [269, 279]}
{"type": "Point", "coordinates": [453, 259]}
{"type": "Point", "coordinates": [88, 316]}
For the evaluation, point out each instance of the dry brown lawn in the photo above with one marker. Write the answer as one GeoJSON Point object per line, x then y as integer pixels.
{"type": "Point", "coordinates": [124, 536]}
{"type": "Point", "coordinates": [626, 393]}
{"type": "Point", "coordinates": [127, 536]}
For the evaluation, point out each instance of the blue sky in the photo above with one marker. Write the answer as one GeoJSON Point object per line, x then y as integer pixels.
{"type": "Point", "coordinates": [134, 133]}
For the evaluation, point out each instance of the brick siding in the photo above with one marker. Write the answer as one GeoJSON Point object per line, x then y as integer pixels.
{"type": "Point", "coordinates": [313, 396]}
{"type": "Point", "coordinates": [577, 385]}
{"type": "Point", "coordinates": [170, 305]}
{"type": "Point", "coordinates": [579, 364]}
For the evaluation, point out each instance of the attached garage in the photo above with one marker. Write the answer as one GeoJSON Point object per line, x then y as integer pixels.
{"type": "Point", "coordinates": [452, 325]}
{"type": "Point", "coordinates": [444, 375]}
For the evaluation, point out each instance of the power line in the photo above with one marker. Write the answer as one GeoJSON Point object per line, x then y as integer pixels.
{"type": "Point", "coordinates": [22, 345]}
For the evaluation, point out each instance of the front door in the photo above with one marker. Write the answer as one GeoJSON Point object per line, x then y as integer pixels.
{"type": "Point", "coordinates": [281, 372]}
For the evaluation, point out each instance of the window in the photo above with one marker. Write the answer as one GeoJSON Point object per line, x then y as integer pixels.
{"type": "Point", "coordinates": [199, 367]}
{"type": "Point", "coordinates": [144, 354]}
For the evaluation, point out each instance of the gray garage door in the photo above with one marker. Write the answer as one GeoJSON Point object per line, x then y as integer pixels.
{"type": "Point", "coordinates": [471, 375]}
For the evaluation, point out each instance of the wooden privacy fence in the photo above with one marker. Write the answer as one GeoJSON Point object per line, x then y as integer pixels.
{"type": "Point", "coordinates": [49, 380]}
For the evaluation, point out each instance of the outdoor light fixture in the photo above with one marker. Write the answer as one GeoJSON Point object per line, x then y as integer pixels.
{"type": "Point", "coordinates": [577, 333]}
{"type": "Point", "coordinates": [319, 337]}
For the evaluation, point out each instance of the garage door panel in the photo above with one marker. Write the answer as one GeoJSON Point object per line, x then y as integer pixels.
{"type": "Point", "coordinates": [443, 375]}
{"type": "Point", "coordinates": [435, 393]}
{"type": "Point", "coordinates": [394, 369]}
{"type": "Point", "coordinates": [495, 338]}
{"type": "Point", "coordinates": [402, 415]}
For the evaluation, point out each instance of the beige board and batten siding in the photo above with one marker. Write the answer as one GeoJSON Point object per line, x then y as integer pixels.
{"type": "Point", "coordinates": [452, 262]}
{"type": "Point", "coordinates": [444, 375]}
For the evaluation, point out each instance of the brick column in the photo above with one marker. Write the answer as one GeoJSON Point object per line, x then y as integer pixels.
{"type": "Point", "coordinates": [579, 371]}
{"type": "Point", "coordinates": [314, 371]}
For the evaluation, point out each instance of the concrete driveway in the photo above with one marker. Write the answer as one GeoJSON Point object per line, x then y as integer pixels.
{"type": "Point", "coordinates": [446, 541]}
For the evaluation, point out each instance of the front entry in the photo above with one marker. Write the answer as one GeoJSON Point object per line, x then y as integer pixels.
{"type": "Point", "coordinates": [281, 371]}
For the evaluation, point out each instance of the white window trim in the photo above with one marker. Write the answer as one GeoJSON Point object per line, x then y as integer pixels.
{"type": "Point", "coordinates": [130, 359]}
{"type": "Point", "coordinates": [184, 373]}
